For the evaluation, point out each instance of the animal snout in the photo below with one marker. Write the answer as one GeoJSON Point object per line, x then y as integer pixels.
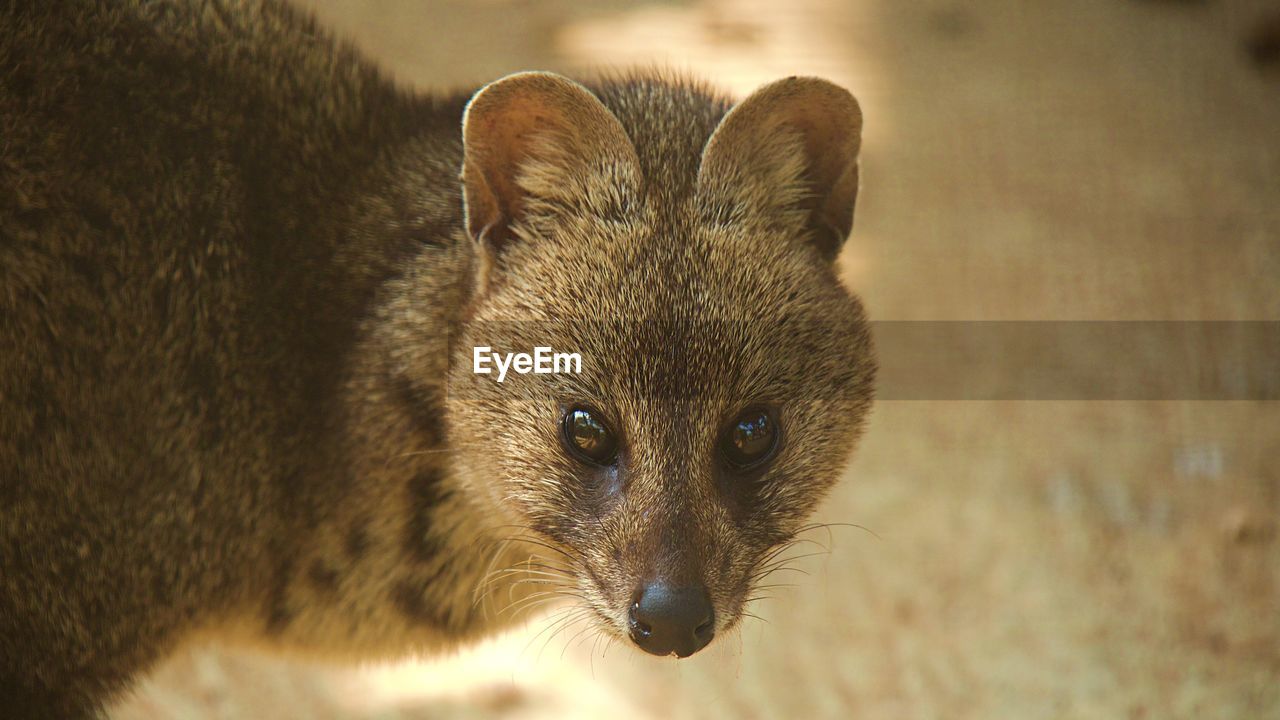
{"type": "Point", "coordinates": [665, 620]}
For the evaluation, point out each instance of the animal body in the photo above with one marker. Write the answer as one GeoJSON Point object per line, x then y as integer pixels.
{"type": "Point", "coordinates": [242, 277]}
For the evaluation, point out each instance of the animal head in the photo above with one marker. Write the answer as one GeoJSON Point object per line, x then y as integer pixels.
{"type": "Point", "coordinates": [686, 254]}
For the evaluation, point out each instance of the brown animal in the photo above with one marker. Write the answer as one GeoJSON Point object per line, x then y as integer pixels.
{"type": "Point", "coordinates": [241, 286]}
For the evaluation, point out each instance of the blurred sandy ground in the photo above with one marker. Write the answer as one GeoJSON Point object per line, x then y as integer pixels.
{"type": "Point", "coordinates": [1091, 160]}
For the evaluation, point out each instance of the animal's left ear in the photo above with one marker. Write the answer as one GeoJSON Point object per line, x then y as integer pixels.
{"type": "Point", "coordinates": [789, 150]}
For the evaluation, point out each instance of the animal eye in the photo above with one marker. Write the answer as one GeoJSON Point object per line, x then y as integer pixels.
{"type": "Point", "coordinates": [588, 438]}
{"type": "Point", "coordinates": [750, 439]}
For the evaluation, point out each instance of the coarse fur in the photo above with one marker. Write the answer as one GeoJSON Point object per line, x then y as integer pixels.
{"type": "Point", "coordinates": [240, 281]}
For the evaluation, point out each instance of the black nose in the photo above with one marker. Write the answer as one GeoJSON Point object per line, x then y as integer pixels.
{"type": "Point", "coordinates": [667, 620]}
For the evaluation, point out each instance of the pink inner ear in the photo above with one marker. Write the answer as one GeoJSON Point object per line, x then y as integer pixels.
{"type": "Point", "coordinates": [511, 121]}
{"type": "Point", "coordinates": [498, 143]}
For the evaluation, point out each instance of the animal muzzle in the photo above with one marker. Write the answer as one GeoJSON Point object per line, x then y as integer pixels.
{"type": "Point", "coordinates": [666, 620]}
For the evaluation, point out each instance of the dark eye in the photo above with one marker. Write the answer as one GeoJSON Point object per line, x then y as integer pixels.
{"type": "Point", "coordinates": [588, 438]}
{"type": "Point", "coordinates": [750, 439]}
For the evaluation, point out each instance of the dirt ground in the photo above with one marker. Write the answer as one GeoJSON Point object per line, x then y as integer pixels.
{"type": "Point", "coordinates": [1023, 160]}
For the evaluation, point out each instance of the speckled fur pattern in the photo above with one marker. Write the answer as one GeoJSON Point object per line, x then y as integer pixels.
{"type": "Point", "coordinates": [237, 296]}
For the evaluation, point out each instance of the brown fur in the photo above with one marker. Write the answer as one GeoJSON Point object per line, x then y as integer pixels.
{"type": "Point", "coordinates": [237, 304]}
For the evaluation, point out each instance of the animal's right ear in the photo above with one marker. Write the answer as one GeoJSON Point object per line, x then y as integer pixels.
{"type": "Point", "coordinates": [536, 143]}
